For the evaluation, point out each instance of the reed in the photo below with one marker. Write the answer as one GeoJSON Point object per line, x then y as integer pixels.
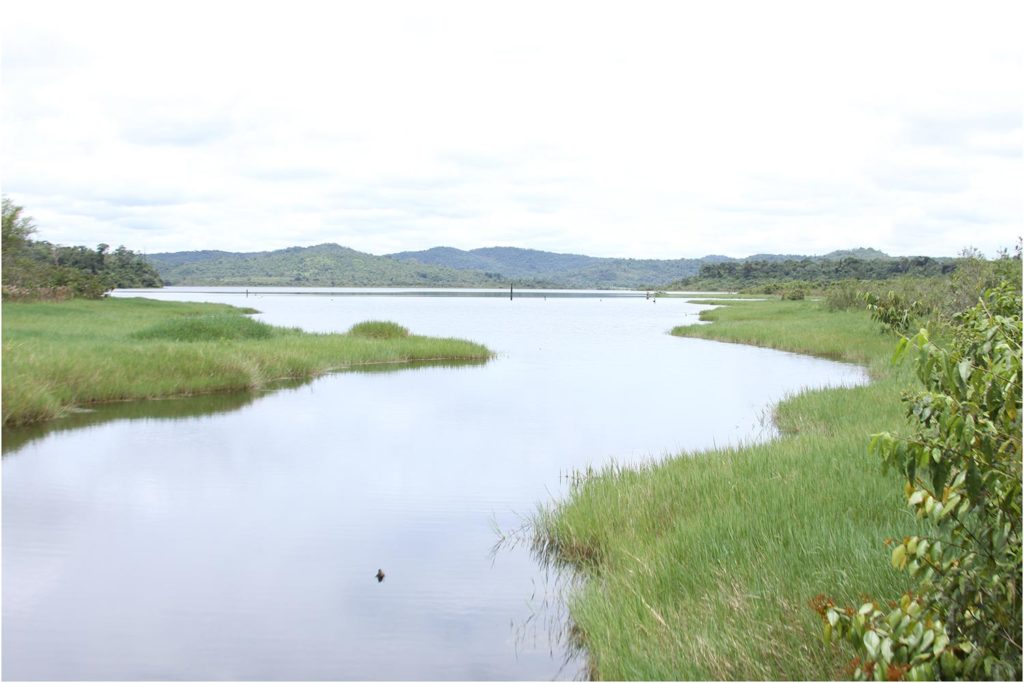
{"type": "Point", "coordinates": [61, 355]}
{"type": "Point", "coordinates": [703, 566]}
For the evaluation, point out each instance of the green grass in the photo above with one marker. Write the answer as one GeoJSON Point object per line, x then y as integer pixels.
{"type": "Point", "coordinates": [375, 329]}
{"type": "Point", "coordinates": [59, 355]}
{"type": "Point", "coordinates": [702, 567]}
{"type": "Point", "coordinates": [208, 327]}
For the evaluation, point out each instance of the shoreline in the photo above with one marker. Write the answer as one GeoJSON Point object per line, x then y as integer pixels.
{"type": "Point", "coordinates": [62, 356]}
{"type": "Point", "coordinates": [704, 565]}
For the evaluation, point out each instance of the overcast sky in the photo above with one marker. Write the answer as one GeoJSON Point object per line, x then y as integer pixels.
{"type": "Point", "coordinates": [649, 130]}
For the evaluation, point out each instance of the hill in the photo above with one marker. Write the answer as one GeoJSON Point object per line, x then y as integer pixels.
{"type": "Point", "coordinates": [559, 270]}
{"type": "Point", "coordinates": [323, 265]}
{"type": "Point", "coordinates": [331, 265]}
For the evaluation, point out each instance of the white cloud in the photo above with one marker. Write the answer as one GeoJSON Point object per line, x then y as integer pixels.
{"type": "Point", "coordinates": [633, 129]}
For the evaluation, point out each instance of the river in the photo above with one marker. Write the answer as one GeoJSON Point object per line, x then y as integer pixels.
{"type": "Point", "coordinates": [237, 536]}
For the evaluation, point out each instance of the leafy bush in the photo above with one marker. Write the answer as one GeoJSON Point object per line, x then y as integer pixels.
{"type": "Point", "coordinates": [215, 327]}
{"type": "Point", "coordinates": [963, 473]}
{"type": "Point", "coordinates": [375, 329]}
{"type": "Point", "coordinates": [793, 294]}
{"type": "Point", "coordinates": [893, 311]}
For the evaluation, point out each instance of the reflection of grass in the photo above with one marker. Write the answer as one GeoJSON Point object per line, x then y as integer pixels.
{"type": "Point", "coordinates": [59, 355]}
{"type": "Point", "coordinates": [702, 567]}
{"type": "Point", "coordinates": [166, 409]}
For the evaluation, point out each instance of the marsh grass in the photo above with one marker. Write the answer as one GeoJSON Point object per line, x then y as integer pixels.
{"type": "Point", "coordinates": [702, 566]}
{"type": "Point", "coordinates": [57, 355]}
{"type": "Point", "coordinates": [209, 327]}
{"type": "Point", "coordinates": [376, 329]}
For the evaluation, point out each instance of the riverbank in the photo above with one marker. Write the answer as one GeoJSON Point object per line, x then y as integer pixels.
{"type": "Point", "coordinates": [58, 356]}
{"type": "Point", "coordinates": [703, 566]}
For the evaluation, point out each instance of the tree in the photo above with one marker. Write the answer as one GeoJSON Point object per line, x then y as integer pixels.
{"type": "Point", "coordinates": [16, 230]}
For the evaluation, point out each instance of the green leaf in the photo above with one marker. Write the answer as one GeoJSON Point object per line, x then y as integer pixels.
{"type": "Point", "coordinates": [871, 642]}
{"type": "Point", "coordinates": [899, 556]}
{"type": "Point", "coordinates": [901, 348]}
{"type": "Point", "coordinates": [973, 480]}
{"type": "Point", "coordinates": [886, 650]}
{"type": "Point", "coordinates": [964, 368]}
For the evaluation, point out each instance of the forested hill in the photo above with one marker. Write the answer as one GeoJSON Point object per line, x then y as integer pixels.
{"type": "Point", "coordinates": [323, 265]}
{"type": "Point", "coordinates": [565, 270]}
{"type": "Point", "coordinates": [761, 270]}
{"type": "Point", "coordinates": [330, 265]}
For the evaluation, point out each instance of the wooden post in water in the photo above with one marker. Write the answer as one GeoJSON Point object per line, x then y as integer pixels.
{"type": "Point", "coordinates": [510, 291]}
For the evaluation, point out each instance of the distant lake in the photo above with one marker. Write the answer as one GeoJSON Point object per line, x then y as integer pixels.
{"type": "Point", "coordinates": [237, 536]}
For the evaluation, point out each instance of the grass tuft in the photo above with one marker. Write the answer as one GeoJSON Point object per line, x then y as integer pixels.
{"type": "Point", "coordinates": [376, 329]}
{"type": "Point", "coordinates": [211, 327]}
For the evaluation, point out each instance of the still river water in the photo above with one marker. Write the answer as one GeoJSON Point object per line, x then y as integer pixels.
{"type": "Point", "coordinates": [237, 536]}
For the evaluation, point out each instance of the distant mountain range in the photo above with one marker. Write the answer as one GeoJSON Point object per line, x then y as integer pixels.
{"type": "Point", "coordinates": [331, 265]}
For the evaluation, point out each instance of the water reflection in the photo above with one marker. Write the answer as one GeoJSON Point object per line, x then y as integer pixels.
{"type": "Point", "coordinates": [179, 408]}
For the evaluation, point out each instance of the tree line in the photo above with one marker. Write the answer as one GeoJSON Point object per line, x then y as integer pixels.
{"type": "Point", "coordinates": [745, 274]}
{"type": "Point", "coordinates": [37, 269]}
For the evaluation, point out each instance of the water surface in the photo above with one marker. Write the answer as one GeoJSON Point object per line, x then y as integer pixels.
{"type": "Point", "coordinates": [237, 536]}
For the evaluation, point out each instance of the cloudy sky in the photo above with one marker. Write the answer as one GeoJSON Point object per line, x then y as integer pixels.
{"type": "Point", "coordinates": [657, 130]}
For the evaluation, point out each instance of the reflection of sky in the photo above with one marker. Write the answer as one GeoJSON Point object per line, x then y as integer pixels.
{"type": "Point", "coordinates": [243, 544]}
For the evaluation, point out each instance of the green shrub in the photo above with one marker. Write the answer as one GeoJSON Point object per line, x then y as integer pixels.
{"type": "Point", "coordinates": [963, 473]}
{"type": "Point", "coordinates": [794, 294]}
{"type": "Point", "coordinates": [895, 313]}
{"type": "Point", "coordinates": [376, 329]}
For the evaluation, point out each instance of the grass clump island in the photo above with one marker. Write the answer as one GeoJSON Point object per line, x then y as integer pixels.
{"type": "Point", "coordinates": [58, 356]}
{"type": "Point", "coordinates": [711, 566]}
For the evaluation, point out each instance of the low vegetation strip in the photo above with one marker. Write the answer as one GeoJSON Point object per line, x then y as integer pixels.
{"type": "Point", "coordinates": [703, 566]}
{"type": "Point", "coordinates": [60, 355]}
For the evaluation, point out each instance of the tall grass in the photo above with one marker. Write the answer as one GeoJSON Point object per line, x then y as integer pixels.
{"type": "Point", "coordinates": [58, 355]}
{"type": "Point", "coordinates": [702, 566]}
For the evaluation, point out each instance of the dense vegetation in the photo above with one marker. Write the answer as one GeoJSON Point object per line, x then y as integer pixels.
{"type": "Point", "coordinates": [704, 566]}
{"type": "Point", "coordinates": [68, 354]}
{"type": "Point", "coordinates": [40, 270]}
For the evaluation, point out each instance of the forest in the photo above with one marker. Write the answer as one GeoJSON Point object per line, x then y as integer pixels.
{"type": "Point", "coordinates": [37, 269]}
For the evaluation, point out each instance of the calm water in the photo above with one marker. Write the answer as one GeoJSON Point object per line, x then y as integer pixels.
{"type": "Point", "coordinates": [237, 537]}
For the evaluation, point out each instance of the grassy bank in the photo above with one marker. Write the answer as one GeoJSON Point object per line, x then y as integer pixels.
{"type": "Point", "coordinates": [702, 567]}
{"type": "Point", "coordinates": [57, 356]}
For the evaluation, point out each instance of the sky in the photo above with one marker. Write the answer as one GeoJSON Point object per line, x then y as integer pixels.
{"type": "Point", "coordinates": [626, 129]}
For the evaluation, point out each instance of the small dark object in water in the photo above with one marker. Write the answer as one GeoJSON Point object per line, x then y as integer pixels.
{"type": "Point", "coordinates": [380, 575]}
